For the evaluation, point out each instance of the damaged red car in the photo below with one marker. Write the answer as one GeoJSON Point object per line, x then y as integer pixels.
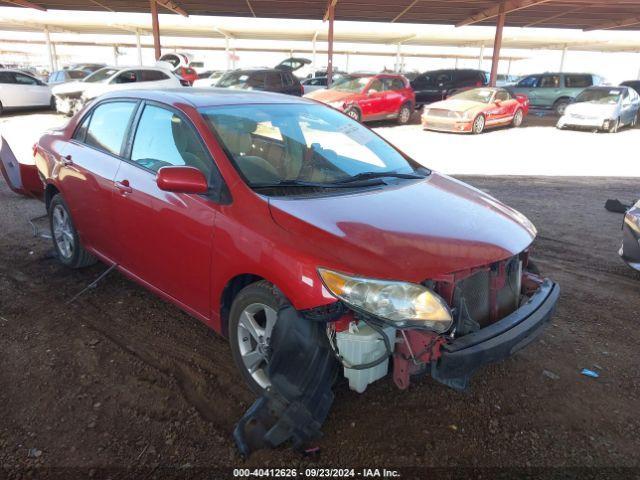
{"type": "Point", "coordinates": [232, 204]}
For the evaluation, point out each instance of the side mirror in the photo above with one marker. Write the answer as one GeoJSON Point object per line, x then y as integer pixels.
{"type": "Point", "coordinates": [181, 180]}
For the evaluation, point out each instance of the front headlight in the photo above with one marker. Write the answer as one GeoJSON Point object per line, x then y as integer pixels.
{"type": "Point", "coordinates": [401, 304]}
{"type": "Point", "coordinates": [467, 114]}
{"type": "Point", "coordinates": [338, 105]}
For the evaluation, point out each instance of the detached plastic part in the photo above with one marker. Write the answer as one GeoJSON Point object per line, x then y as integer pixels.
{"type": "Point", "coordinates": [302, 370]}
{"type": "Point", "coordinates": [21, 177]}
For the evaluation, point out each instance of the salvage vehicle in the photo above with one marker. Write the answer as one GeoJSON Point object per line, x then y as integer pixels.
{"type": "Point", "coordinates": [366, 97]}
{"type": "Point", "coordinates": [437, 85]}
{"type": "Point", "coordinates": [66, 75]}
{"type": "Point", "coordinates": [19, 90]}
{"type": "Point", "coordinates": [602, 108]}
{"type": "Point", "coordinates": [630, 249]}
{"type": "Point", "coordinates": [236, 206]}
{"type": "Point", "coordinates": [72, 96]}
{"type": "Point", "coordinates": [475, 110]}
{"type": "Point", "coordinates": [554, 90]}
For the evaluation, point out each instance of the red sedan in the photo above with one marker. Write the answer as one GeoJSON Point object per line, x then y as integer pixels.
{"type": "Point", "coordinates": [370, 97]}
{"type": "Point", "coordinates": [239, 206]}
{"type": "Point", "coordinates": [473, 111]}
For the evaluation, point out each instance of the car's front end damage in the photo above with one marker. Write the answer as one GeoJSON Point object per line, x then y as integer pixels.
{"type": "Point", "coordinates": [490, 312]}
{"type": "Point", "coordinates": [630, 248]}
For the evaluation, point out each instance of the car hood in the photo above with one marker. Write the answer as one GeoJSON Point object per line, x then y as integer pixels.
{"type": "Point", "coordinates": [70, 87]}
{"type": "Point", "coordinates": [456, 105]}
{"type": "Point", "coordinates": [411, 231]}
{"type": "Point", "coordinates": [330, 95]}
{"type": "Point", "coordinates": [599, 110]}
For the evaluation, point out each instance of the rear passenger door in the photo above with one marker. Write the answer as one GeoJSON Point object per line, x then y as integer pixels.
{"type": "Point", "coordinates": [393, 95]}
{"type": "Point", "coordinates": [87, 171]}
{"type": "Point", "coordinates": [9, 95]}
{"type": "Point", "coordinates": [165, 238]}
{"type": "Point", "coordinates": [549, 90]}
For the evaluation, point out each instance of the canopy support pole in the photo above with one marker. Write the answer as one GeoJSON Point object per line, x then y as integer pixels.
{"type": "Point", "coordinates": [481, 57]}
{"type": "Point", "coordinates": [562, 58]}
{"type": "Point", "coordinates": [47, 38]}
{"type": "Point", "coordinates": [497, 45]}
{"type": "Point", "coordinates": [331, 13]}
{"type": "Point", "coordinates": [139, 47]}
{"type": "Point", "coordinates": [156, 29]}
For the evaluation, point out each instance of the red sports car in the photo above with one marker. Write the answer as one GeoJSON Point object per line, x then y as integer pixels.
{"type": "Point", "coordinates": [473, 111]}
{"type": "Point", "coordinates": [370, 97]}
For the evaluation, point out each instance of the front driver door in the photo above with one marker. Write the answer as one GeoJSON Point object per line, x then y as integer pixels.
{"type": "Point", "coordinates": [372, 103]}
{"type": "Point", "coordinates": [166, 238]}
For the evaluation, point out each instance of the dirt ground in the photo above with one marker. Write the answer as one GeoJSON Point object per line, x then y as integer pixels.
{"type": "Point", "coordinates": [121, 379]}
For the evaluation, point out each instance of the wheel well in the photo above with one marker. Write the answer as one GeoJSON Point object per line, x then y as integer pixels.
{"type": "Point", "coordinates": [49, 192]}
{"type": "Point", "coordinates": [562, 99]}
{"type": "Point", "coordinates": [231, 289]}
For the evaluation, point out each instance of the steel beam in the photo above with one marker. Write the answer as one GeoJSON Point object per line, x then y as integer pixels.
{"type": "Point", "coordinates": [505, 7]}
{"type": "Point", "coordinates": [497, 45]}
{"type": "Point", "coordinates": [615, 24]}
{"type": "Point", "coordinates": [25, 4]}
{"type": "Point", "coordinates": [155, 29]}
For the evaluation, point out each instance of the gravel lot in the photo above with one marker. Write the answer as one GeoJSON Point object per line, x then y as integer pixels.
{"type": "Point", "coordinates": [121, 379]}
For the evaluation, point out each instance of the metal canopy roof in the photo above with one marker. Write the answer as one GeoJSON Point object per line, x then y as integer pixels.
{"type": "Point", "coordinates": [583, 14]}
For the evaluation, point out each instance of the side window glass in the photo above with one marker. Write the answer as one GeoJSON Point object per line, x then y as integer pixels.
{"type": "Point", "coordinates": [163, 138]}
{"type": "Point", "coordinates": [81, 130]}
{"type": "Point", "coordinates": [273, 80]}
{"type": "Point", "coordinates": [397, 84]}
{"type": "Point", "coordinates": [550, 81]}
{"type": "Point", "coordinates": [7, 77]}
{"type": "Point", "coordinates": [578, 81]}
{"type": "Point", "coordinates": [108, 126]}
{"type": "Point", "coordinates": [25, 80]}
{"type": "Point", "coordinates": [256, 80]}
{"type": "Point", "coordinates": [376, 85]}
{"type": "Point", "coordinates": [502, 96]}
{"type": "Point", "coordinates": [529, 82]}
{"type": "Point", "coordinates": [126, 77]}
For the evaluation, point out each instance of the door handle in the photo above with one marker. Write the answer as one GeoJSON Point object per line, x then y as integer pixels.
{"type": "Point", "coordinates": [67, 160]}
{"type": "Point", "coordinates": [123, 186]}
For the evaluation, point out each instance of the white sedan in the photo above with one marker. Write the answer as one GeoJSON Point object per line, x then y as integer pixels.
{"type": "Point", "coordinates": [19, 90]}
{"type": "Point", "coordinates": [70, 97]}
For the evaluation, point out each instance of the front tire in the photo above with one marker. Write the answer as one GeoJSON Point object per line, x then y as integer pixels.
{"type": "Point", "coordinates": [478, 124]}
{"type": "Point", "coordinates": [517, 119]}
{"type": "Point", "coordinates": [65, 237]}
{"type": "Point", "coordinates": [253, 315]}
{"type": "Point", "coordinates": [560, 106]}
{"type": "Point", "coordinates": [615, 126]}
{"type": "Point", "coordinates": [353, 113]}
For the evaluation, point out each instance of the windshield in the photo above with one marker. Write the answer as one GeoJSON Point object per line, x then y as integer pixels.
{"type": "Point", "coordinates": [101, 75]}
{"type": "Point", "coordinates": [482, 95]}
{"type": "Point", "coordinates": [351, 84]}
{"type": "Point", "coordinates": [76, 74]}
{"type": "Point", "coordinates": [600, 95]}
{"type": "Point", "coordinates": [276, 143]}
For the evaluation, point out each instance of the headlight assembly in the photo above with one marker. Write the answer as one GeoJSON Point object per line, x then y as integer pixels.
{"type": "Point", "coordinates": [402, 304]}
{"type": "Point", "coordinates": [338, 105]}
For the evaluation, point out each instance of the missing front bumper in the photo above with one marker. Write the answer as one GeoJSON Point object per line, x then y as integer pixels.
{"type": "Point", "coordinates": [462, 357]}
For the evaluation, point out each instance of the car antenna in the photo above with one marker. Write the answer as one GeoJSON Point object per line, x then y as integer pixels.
{"type": "Point", "coordinates": [93, 284]}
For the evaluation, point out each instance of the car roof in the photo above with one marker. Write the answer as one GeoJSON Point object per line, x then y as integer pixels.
{"type": "Point", "coordinates": [209, 97]}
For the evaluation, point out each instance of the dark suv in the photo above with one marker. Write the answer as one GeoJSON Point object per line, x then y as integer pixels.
{"type": "Point", "coordinates": [437, 85]}
{"type": "Point", "coordinates": [268, 80]}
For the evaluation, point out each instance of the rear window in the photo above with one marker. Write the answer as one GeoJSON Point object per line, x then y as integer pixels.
{"type": "Point", "coordinates": [578, 81]}
{"type": "Point", "coordinates": [7, 77]}
{"type": "Point", "coordinates": [108, 126]}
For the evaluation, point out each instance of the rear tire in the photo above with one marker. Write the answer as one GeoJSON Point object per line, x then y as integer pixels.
{"type": "Point", "coordinates": [560, 106]}
{"type": "Point", "coordinates": [478, 124]}
{"type": "Point", "coordinates": [251, 319]}
{"type": "Point", "coordinates": [404, 114]}
{"type": "Point", "coordinates": [1, 109]}
{"type": "Point", "coordinates": [66, 241]}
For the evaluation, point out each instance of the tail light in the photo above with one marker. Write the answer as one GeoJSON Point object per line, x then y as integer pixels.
{"type": "Point", "coordinates": [301, 90]}
{"type": "Point", "coordinates": [478, 83]}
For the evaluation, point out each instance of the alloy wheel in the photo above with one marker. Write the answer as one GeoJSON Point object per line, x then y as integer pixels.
{"type": "Point", "coordinates": [405, 114]}
{"type": "Point", "coordinates": [478, 124]}
{"type": "Point", "coordinates": [63, 232]}
{"type": "Point", "coordinates": [255, 327]}
{"type": "Point", "coordinates": [517, 120]}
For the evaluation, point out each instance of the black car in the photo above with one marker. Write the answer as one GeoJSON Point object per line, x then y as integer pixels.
{"type": "Point", "coordinates": [268, 80]}
{"type": "Point", "coordinates": [437, 85]}
{"type": "Point", "coordinates": [635, 84]}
